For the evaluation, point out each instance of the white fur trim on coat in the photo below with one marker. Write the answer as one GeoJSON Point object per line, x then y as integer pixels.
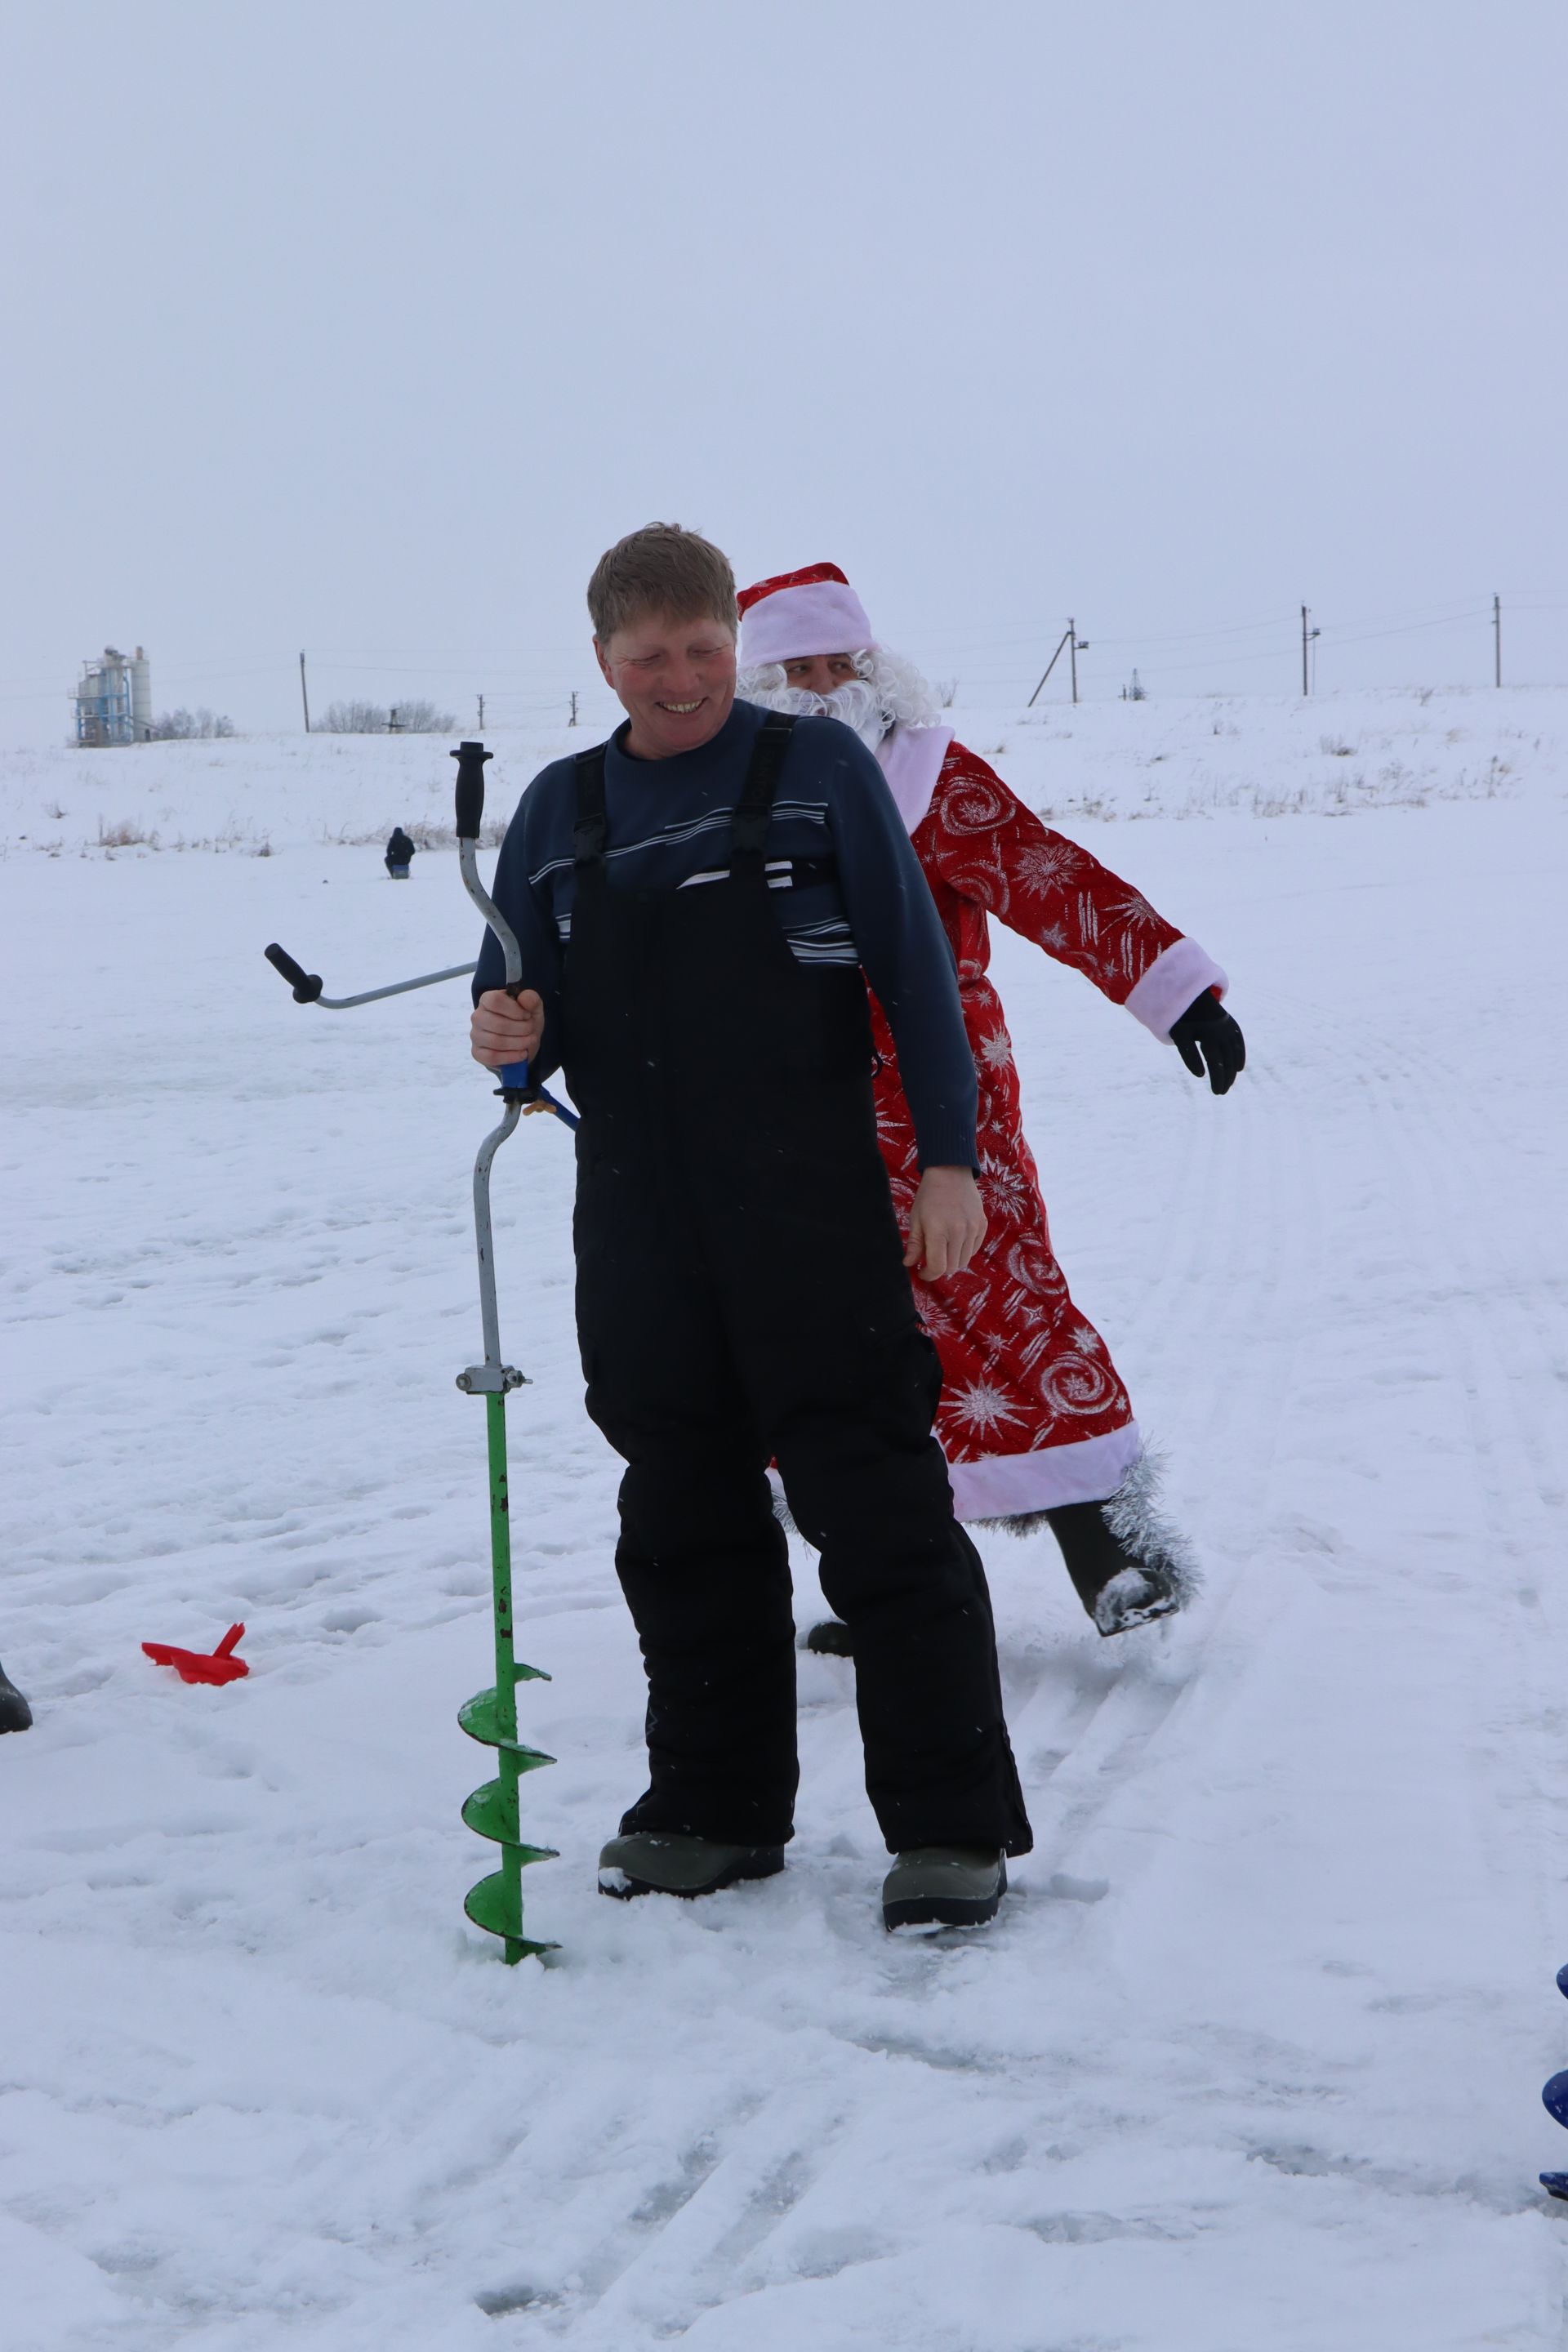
{"type": "Point", "coordinates": [911, 760]}
{"type": "Point", "coordinates": [1001, 1484]}
{"type": "Point", "coordinates": [1175, 979]}
{"type": "Point", "coordinates": [1005, 1485]}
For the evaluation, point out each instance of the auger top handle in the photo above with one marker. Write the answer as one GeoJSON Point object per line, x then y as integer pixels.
{"type": "Point", "coordinates": [470, 808]}
{"type": "Point", "coordinates": [470, 759]}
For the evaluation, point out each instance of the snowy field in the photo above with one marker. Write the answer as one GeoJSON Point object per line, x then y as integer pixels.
{"type": "Point", "coordinates": [1253, 2056]}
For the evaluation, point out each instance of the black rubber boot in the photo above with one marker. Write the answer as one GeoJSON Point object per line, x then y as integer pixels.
{"type": "Point", "coordinates": [1121, 1581]}
{"type": "Point", "coordinates": [944, 1886]}
{"type": "Point", "coordinates": [658, 1861]}
{"type": "Point", "coordinates": [15, 1714]}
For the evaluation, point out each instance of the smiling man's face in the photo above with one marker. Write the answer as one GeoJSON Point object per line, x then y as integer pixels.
{"type": "Point", "coordinates": [676, 680]}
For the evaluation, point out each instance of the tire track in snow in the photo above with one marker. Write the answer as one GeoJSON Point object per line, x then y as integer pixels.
{"type": "Point", "coordinates": [691, 2237]}
{"type": "Point", "coordinates": [1505, 1358]}
{"type": "Point", "coordinates": [1246, 1226]}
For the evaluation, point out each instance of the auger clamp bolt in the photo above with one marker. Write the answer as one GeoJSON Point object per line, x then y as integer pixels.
{"type": "Point", "coordinates": [491, 1379]}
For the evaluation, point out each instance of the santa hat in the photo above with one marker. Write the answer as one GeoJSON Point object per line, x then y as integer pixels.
{"type": "Point", "coordinates": [798, 613]}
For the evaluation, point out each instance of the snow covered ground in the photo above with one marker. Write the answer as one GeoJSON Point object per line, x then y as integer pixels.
{"type": "Point", "coordinates": [1253, 2056]}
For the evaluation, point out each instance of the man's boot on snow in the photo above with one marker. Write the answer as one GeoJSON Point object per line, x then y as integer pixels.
{"type": "Point", "coordinates": [15, 1714]}
{"type": "Point", "coordinates": [944, 1886]}
{"type": "Point", "coordinates": [658, 1861]}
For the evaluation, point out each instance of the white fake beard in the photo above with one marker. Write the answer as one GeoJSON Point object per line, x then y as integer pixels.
{"type": "Point", "coordinates": [856, 703]}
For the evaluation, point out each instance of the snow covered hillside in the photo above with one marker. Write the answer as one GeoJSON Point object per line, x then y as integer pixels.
{"type": "Point", "coordinates": [1253, 2055]}
{"type": "Point", "coordinates": [1186, 759]}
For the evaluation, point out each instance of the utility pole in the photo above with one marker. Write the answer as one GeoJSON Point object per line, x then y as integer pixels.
{"type": "Point", "coordinates": [481, 714]}
{"type": "Point", "coordinates": [303, 695]}
{"type": "Point", "coordinates": [573, 720]}
{"type": "Point", "coordinates": [1075, 644]}
{"type": "Point", "coordinates": [1308, 634]}
{"type": "Point", "coordinates": [1496, 640]}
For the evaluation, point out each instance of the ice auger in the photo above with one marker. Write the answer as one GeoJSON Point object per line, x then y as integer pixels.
{"type": "Point", "coordinates": [491, 1717]}
{"type": "Point", "coordinates": [496, 1903]}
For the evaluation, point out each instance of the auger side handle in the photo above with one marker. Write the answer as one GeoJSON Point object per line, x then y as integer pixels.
{"type": "Point", "coordinates": [307, 985]}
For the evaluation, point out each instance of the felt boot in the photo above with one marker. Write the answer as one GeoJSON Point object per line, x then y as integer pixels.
{"type": "Point", "coordinates": [1117, 1587]}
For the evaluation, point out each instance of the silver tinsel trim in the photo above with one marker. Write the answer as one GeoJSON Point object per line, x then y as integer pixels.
{"type": "Point", "coordinates": [1135, 1518]}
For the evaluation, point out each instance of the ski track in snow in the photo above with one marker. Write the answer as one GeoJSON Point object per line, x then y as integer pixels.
{"type": "Point", "coordinates": [1253, 2055]}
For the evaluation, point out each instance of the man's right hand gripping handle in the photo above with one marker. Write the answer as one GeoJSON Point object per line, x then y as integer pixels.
{"type": "Point", "coordinates": [507, 1029]}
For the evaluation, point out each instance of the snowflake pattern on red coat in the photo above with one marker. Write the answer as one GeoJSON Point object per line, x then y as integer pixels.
{"type": "Point", "coordinates": [1022, 1368]}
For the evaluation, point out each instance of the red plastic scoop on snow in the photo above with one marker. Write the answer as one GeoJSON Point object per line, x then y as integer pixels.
{"type": "Point", "coordinates": [219, 1665]}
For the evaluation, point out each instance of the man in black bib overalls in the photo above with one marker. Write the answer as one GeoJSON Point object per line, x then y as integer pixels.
{"type": "Point", "coordinates": [694, 900]}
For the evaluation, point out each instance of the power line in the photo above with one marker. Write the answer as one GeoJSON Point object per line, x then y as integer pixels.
{"type": "Point", "coordinates": [1410, 628]}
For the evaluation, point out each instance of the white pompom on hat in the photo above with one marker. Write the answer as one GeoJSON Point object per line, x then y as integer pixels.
{"type": "Point", "coordinates": [799, 614]}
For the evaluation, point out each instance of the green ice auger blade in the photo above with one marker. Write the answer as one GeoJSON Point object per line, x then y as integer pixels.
{"type": "Point", "coordinates": [496, 1906]}
{"type": "Point", "coordinates": [491, 1812]}
{"type": "Point", "coordinates": [481, 1717]}
{"type": "Point", "coordinates": [491, 1717]}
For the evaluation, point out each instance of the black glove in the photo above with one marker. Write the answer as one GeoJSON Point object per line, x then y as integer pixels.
{"type": "Point", "coordinates": [1207, 1039]}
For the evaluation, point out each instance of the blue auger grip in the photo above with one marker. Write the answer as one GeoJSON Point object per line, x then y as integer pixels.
{"type": "Point", "coordinates": [512, 1078]}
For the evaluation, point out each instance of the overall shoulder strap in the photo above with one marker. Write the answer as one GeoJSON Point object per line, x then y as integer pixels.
{"type": "Point", "coordinates": [749, 826]}
{"type": "Point", "coordinates": [589, 829]}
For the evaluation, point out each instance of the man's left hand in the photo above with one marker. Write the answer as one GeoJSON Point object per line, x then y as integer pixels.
{"type": "Point", "coordinates": [1208, 1039]}
{"type": "Point", "coordinates": [947, 1223]}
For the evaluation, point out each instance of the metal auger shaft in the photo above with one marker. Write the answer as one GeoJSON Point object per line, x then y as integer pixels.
{"type": "Point", "coordinates": [491, 1717]}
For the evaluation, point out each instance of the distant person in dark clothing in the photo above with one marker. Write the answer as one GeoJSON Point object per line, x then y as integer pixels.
{"type": "Point", "coordinates": [399, 852]}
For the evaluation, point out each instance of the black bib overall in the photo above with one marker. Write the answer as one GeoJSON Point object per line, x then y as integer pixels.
{"type": "Point", "coordinates": [742, 1297]}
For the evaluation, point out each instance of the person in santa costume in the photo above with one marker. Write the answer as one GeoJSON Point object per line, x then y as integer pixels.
{"type": "Point", "coordinates": [1035, 1421]}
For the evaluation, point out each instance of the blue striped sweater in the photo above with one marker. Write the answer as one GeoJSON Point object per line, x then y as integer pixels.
{"type": "Point", "coordinates": [845, 883]}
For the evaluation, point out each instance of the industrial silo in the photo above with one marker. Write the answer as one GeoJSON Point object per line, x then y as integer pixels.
{"type": "Point", "coordinates": [114, 699]}
{"type": "Point", "coordinates": [140, 697]}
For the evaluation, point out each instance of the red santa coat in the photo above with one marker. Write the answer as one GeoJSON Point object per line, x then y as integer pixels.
{"type": "Point", "coordinates": [1033, 1410]}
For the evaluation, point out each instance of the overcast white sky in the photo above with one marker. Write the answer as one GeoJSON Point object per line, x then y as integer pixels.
{"type": "Point", "coordinates": [365, 329]}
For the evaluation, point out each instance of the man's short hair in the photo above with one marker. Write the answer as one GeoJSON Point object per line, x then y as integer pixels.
{"type": "Point", "coordinates": [661, 569]}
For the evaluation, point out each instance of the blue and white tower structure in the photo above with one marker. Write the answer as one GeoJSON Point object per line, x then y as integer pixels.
{"type": "Point", "coordinates": [114, 699]}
